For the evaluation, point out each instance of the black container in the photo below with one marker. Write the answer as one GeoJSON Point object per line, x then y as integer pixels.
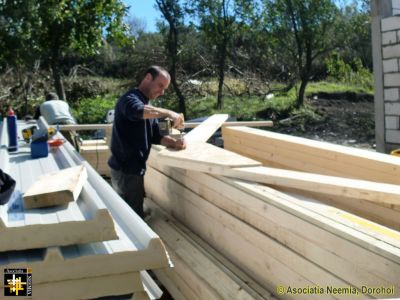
{"type": "Point", "coordinates": [7, 185]}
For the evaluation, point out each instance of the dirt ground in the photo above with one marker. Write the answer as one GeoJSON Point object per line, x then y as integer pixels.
{"type": "Point", "coordinates": [342, 121]}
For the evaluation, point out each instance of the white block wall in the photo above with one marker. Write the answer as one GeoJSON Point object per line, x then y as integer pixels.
{"type": "Point", "coordinates": [390, 28]}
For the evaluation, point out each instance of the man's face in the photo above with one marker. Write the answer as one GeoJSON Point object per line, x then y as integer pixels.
{"type": "Point", "coordinates": [157, 86]}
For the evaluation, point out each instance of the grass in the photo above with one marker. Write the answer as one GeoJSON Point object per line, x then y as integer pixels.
{"type": "Point", "coordinates": [245, 108]}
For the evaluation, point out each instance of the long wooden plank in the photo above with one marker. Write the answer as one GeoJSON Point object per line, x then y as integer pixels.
{"type": "Point", "coordinates": [208, 158]}
{"type": "Point", "coordinates": [359, 160]}
{"type": "Point", "coordinates": [331, 185]}
{"type": "Point", "coordinates": [386, 216]}
{"type": "Point", "coordinates": [194, 265]}
{"type": "Point", "coordinates": [244, 245]}
{"type": "Point", "coordinates": [225, 264]}
{"type": "Point", "coordinates": [205, 156]}
{"type": "Point", "coordinates": [236, 123]}
{"type": "Point", "coordinates": [335, 247]}
{"type": "Point", "coordinates": [291, 159]}
{"type": "Point", "coordinates": [206, 129]}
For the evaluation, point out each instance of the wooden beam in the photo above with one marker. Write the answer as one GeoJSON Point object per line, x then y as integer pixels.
{"type": "Point", "coordinates": [329, 159]}
{"type": "Point", "coordinates": [204, 156]}
{"type": "Point", "coordinates": [238, 123]}
{"type": "Point", "coordinates": [361, 255]}
{"type": "Point", "coordinates": [56, 188]}
{"type": "Point", "coordinates": [199, 270]}
{"type": "Point", "coordinates": [211, 159]}
{"type": "Point", "coordinates": [206, 129]}
{"type": "Point", "coordinates": [331, 185]}
{"type": "Point", "coordinates": [243, 244]}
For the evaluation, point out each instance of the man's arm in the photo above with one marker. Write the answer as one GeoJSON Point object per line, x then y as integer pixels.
{"type": "Point", "coordinates": [170, 142]}
{"type": "Point", "coordinates": [151, 112]}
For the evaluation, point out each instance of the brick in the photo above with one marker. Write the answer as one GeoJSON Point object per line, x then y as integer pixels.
{"type": "Point", "coordinates": [392, 108]}
{"type": "Point", "coordinates": [389, 37]}
{"type": "Point", "coordinates": [391, 51]}
{"type": "Point", "coordinates": [391, 79]}
{"type": "Point", "coordinates": [392, 122]}
{"type": "Point", "coordinates": [390, 65]}
{"type": "Point", "coordinates": [392, 136]}
{"type": "Point", "coordinates": [392, 23]}
{"type": "Point", "coordinates": [391, 95]}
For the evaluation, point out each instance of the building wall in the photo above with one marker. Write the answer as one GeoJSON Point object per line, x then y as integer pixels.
{"type": "Point", "coordinates": [386, 57]}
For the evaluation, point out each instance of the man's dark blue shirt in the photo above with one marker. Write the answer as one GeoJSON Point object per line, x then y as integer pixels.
{"type": "Point", "coordinates": [132, 136]}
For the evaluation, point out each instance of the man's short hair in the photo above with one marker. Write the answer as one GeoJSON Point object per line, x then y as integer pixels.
{"type": "Point", "coordinates": [51, 96]}
{"type": "Point", "coordinates": [154, 71]}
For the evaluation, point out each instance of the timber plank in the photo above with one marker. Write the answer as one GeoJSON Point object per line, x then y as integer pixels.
{"type": "Point", "coordinates": [278, 216]}
{"type": "Point", "coordinates": [206, 129]}
{"type": "Point", "coordinates": [204, 156]}
{"type": "Point", "coordinates": [201, 272]}
{"type": "Point", "coordinates": [249, 249]}
{"type": "Point", "coordinates": [358, 158]}
{"type": "Point", "coordinates": [56, 188]}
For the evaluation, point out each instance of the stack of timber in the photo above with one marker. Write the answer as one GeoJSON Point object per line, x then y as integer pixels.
{"type": "Point", "coordinates": [292, 244]}
{"type": "Point", "coordinates": [295, 153]}
{"type": "Point", "coordinates": [97, 153]}
{"type": "Point", "coordinates": [92, 246]}
{"type": "Point", "coordinates": [199, 272]}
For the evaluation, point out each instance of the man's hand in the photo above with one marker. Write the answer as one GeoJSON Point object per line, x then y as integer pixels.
{"type": "Point", "coordinates": [178, 120]}
{"type": "Point", "coordinates": [169, 142]}
{"type": "Point", "coordinates": [180, 144]}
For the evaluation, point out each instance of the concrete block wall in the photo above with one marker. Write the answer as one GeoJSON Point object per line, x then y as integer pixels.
{"type": "Point", "coordinates": [390, 39]}
{"type": "Point", "coordinates": [386, 58]}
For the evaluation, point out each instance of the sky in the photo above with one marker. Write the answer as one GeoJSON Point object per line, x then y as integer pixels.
{"type": "Point", "coordinates": [144, 9]}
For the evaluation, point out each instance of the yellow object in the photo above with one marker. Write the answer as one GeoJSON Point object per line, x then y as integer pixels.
{"type": "Point", "coordinates": [28, 132]}
{"type": "Point", "coordinates": [395, 152]}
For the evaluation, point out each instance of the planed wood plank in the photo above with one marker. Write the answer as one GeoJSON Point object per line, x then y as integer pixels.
{"type": "Point", "coordinates": [359, 160]}
{"type": "Point", "coordinates": [56, 188]}
{"type": "Point", "coordinates": [244, 245]}
{"type": "Point", "coordinates": [206, 129]}
{"type": "Point", "coordinates": [207, 277]}
{"type": "Point", "coordinates": [205, 156]}
{"type": "Point", "coordinates": [300, 228]}
{"type": "Point", "coordinates": [339, 186]}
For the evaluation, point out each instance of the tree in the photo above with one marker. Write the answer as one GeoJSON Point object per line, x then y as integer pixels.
{"type": "Point", "coordinates": [57, 27]}
{"type": "Point", "coordinates": [221, 20]}
{"type": "Point", "coordinates": [173, 14]}
{"type": "Point", "coordinates": [305, 30]}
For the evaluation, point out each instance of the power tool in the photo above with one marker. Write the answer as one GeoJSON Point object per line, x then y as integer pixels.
{"type": "Point", "coordinates": [167, 129]}
{"type": "Point", "coordinates": [35, 134]}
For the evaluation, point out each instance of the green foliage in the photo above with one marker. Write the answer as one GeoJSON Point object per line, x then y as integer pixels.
{"type": "Point", "coordinates": [352, 73]}
{"type": "Point", "coordinates": [93, 110]}
{"type": "Point", "coordinates": [302, 30]}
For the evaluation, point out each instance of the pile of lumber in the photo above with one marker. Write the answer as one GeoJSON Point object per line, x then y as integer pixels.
{"type": "Point", "coordinates": [71, 232]}
{"type": "Point", "coordinates": [295, 153]}
{"type": "Point", "coordinates": [270, 224]}
{"type": "Point", "coordinates": [97, 153]}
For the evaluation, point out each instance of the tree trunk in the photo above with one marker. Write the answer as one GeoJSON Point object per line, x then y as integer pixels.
{"type": "Point", "coordinates": [221, 75]}
{"type": "Point", "coordinates": [173, 49]}
{"type": "Point", "coordinates": [302, 91]}
{"type": "Point", "coordinates": [58, 84]}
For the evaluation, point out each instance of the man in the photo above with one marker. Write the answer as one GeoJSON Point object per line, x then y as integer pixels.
{"type": "Point", "coordinates": [55, 111]}
{"type": "Point", "coordinates": [135, 129]}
